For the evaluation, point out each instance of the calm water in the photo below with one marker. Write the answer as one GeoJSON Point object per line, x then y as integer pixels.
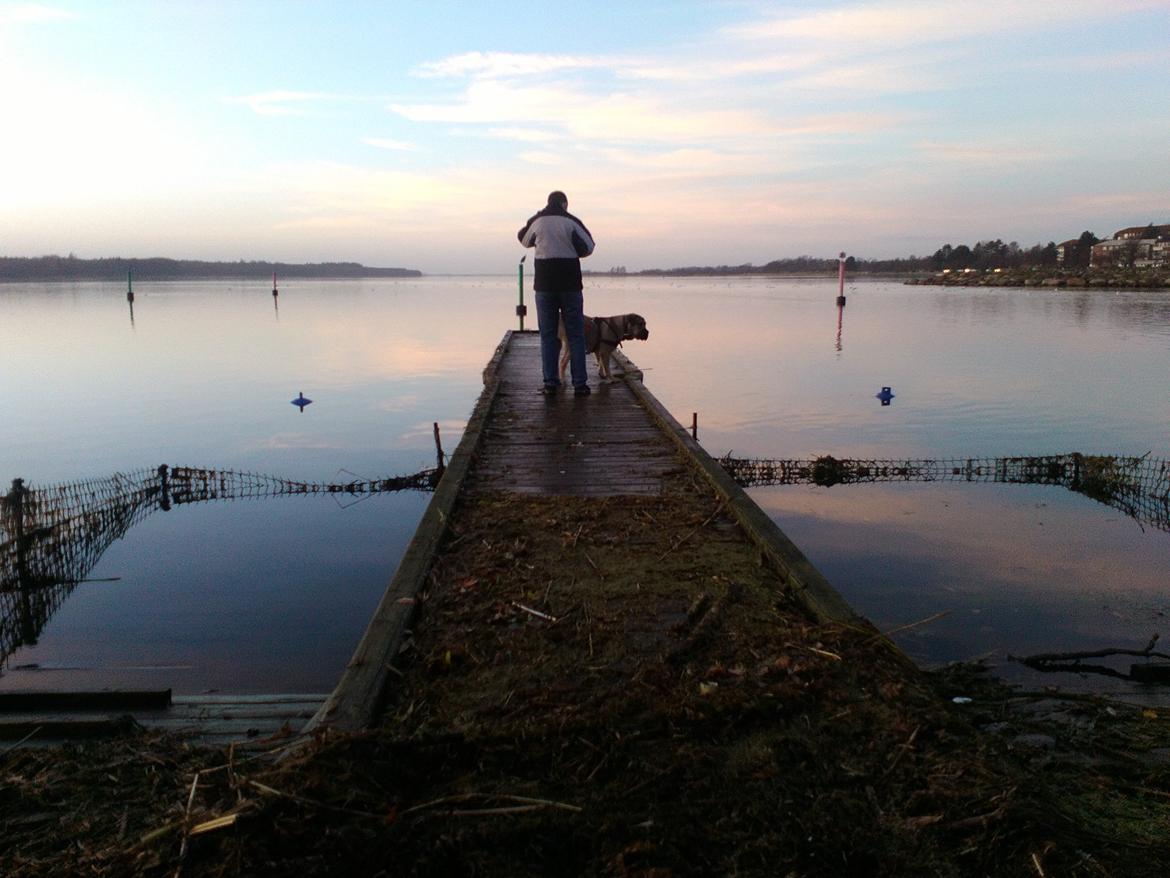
{"type": "Point", "coordinates": [261, 596]}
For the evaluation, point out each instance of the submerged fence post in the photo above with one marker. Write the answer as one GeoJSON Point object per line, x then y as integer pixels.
{"type": "Point", "coordinates": [16, 511]}
{"type": "Point", "coordinates": [164, 500]}
{"type": "Point", "coordinates": [28, 631]}
{"type": "Point", "coordinates": [695, 426]}
{"type": "Point", "coordinates": [439, 447]}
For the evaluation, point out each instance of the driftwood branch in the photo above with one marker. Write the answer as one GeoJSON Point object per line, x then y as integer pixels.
{"type": "Point", "coordinates": [1046, 657]}
{"type": "Point", "coordinates": [707, 521]}
{"type": "Point", "coordinates": [521, 804]}
{"type": "Point", "coordinates": [1071, 662]}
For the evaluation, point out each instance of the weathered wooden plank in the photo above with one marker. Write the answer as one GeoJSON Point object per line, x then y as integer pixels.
{"type": "Point", "coordinates": [209, 719]}
{"type": "Point", "coordinates": [248, 699]}
{"type": "Point", "coordinates": [232, 711]}
{"type": "Point", "coordinates": [63, 727]}
{"type": "Point", "coordinates": [601, 445]}
{"type": "Point", "coordinates": [103, 699]}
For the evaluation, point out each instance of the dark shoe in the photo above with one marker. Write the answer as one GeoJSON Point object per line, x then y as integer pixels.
{"type": "Point", "coordinates": [549, 390]}
{"type": "Point", "coordinates": [581, 390]}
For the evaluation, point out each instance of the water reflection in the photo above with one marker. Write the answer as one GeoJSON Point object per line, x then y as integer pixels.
{"type": "Point", "coordinates": [51, 537]}
{"type": "Point", "coordinates": [985, 371]}
{"type": "Point", "coordinates": [1075, 663]}
{"type": "Point", "coordinates": [1137, 486]}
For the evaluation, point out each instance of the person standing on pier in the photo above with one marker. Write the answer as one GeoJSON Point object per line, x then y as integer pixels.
{"type": "Point", "coordinates": [560, 240]}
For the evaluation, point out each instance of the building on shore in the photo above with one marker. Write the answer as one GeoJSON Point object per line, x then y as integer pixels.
{"type": "Point", "coordinates": [1133, 247]}
{"type": "Point", "coordinates": [1073, 253]}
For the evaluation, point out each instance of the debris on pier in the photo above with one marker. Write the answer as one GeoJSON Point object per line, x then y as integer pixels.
{"type": "Point", "coordinates": [748, 741]}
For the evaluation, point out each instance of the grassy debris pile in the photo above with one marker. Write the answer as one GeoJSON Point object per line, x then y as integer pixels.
{"type": "Point", "coordinates": [619, 687]}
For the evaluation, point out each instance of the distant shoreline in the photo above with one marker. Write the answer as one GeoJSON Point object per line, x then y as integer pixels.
{"type": "Point", "coordinates": [1012, 278]}
{"type": "Point", "coordinates": [15, 269]}
{"type": "Point", "coordinates": [1113, 278]}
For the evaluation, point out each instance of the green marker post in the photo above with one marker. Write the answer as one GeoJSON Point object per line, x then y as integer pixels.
{"type": "Point", "coordinates": [521, 309]}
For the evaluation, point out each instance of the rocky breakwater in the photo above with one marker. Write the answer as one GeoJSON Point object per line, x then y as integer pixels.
{"type": "Point", "coordinates": [1148, 278]}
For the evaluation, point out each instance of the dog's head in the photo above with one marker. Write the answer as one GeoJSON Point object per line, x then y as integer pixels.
{"type": "Point", "coordinates": [634, 326]}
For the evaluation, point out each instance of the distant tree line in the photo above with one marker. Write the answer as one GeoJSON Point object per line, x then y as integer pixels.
{"type": "Point", "coordinates": [59, 268]}
{"type": "Point", "coordinates": [981, 255]}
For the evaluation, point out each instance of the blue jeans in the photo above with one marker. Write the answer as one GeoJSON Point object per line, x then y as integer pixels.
{"type": "Point", "coordinates": [550, 307]}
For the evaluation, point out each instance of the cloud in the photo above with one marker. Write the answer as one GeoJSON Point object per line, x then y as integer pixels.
{"type": "Point", "coordinates": [900, 24]}
{"type": "Point", "coordinates": [322, 223]}
{"type": "Point", "coordinates": [579, 113]}
{"type": "Point", "coordinates": [698, 69]}
{"type": "Point", "coordinates": [536, 157]}
{"type": "Point", "coordinates": [1123, 61]}
{"type": "Point", "coordinates": [33, 13]}
{"type": "Point", "coordinates": [902, 77]}
{"type": "Point", "coordinates": [48, 165]}
{"type": "Point", "coordinates": [284, 441]}
{"type": "Point", "coordinates": [284, 103]}
{"type": "Point", "coordinates": [1146, 202]}
{"type": "Point", "coordinates": [495, 65]}
{"type": "Point", "coordinates": [527, 135]}
{"type": "Point", "coordinates": [988, 153]}
{"type": "Point", "coordinates": [426, 430]}
{"type": "Point", "coordinates": [386, 143]}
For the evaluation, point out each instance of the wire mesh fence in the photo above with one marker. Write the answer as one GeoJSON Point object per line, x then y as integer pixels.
{"type": "Point", "coordinates": [52, 536]}
{"type": "Point", "coordinates": [1137, 486]}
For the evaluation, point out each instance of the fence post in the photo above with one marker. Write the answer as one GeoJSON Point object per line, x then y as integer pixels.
{"type": "Point", "coordinates": [15, 500]}
{"type": "Point", "coordinates": [16, 506]}
{"type": "Point", "coordinates": [16, 510]}
{"type": "Point", "coordinates": [438, 450]}
{"type": "Point", "coordinates": [164, 499]}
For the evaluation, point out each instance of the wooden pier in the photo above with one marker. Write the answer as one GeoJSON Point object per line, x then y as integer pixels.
{"type": "Point", "coordinates": [599, 657]}
{"type": "Point", "coordinates": [619, 442]}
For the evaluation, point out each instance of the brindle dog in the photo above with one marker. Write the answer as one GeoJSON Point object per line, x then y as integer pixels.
{"type": "Point", "coordinates": [602, 336]}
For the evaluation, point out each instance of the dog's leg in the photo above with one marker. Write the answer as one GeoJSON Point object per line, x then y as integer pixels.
{"type": "Point", "coordinates": [603, 364]}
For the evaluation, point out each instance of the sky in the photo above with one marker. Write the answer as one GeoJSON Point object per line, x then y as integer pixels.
{"type": "Point", "coordinates": [424, 134]}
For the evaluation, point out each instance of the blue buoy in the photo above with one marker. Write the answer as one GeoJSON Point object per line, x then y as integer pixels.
{"type": "Point", "coordinates": [300, 402]}
{"type": "Point", "coordinates": [886, 395]}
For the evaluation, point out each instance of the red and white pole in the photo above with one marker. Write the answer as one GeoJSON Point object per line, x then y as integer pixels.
{"type": "Point", "coordinates": [841, 280]}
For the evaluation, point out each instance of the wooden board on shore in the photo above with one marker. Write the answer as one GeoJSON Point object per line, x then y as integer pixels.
{"type": "Point", "coordinates": [212, 719]}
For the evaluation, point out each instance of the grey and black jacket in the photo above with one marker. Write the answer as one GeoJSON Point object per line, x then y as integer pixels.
{"type": "Point", "coordinates": [560, 240]}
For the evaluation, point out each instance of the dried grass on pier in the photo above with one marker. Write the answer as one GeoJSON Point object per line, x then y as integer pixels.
{"type": "Point", "coordinates": [593, 690]}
